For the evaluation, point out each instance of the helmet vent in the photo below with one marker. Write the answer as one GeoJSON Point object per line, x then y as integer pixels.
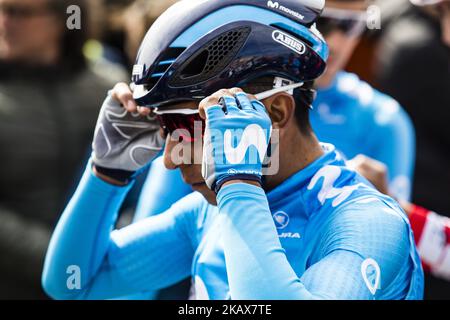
{"type": "Point", "coordinates": [215, 56]}
{"type": "Point", "coordinates": [164, 62]}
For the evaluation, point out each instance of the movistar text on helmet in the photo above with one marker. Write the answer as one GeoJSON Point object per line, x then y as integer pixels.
{"type": "Point", "coordinates": [289, 41]}
{"type": "Point", "coordinates": [276, 5]}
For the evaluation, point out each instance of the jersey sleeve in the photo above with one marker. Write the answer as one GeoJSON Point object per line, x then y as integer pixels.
{"type": "Point", "coordinates": [86, 259]}
{"type": "Point", "coordinates": [432, 234]}
{"type": "Point", "coordinates": [258, 267]}
{"type": "Point", "coordinates": [364, 254]}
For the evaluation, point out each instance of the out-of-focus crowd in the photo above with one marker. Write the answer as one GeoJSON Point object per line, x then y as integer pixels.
{"type": "Point", "coordinates": [53, 81]}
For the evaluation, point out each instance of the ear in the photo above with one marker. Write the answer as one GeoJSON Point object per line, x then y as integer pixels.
{"type": "Point", "coordinates": [281, 109]}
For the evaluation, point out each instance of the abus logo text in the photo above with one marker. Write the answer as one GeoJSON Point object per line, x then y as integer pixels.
{"type": "Point", "coordinates": [288, 41]}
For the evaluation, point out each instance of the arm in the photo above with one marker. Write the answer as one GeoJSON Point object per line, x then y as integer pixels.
{"type": "Point", "coordinates": [432, 234]}
{"type": "Point", "coordinates": [395, 147]}
{"type": "Point", "coordinates": [150, 255]}
{"type": "Point", "coordinates": [258, 267]}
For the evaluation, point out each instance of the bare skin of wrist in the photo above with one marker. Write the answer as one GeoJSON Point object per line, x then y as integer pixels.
{"type": "Point", "coordinates": [108, 179]}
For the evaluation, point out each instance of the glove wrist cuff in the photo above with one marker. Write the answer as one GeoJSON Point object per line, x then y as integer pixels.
{"type": "Point", "coordinates": [116, 174]}
{"type": "Point", "coordinates": [219, 184]}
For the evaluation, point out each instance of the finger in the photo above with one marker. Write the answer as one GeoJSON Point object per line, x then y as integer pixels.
{"type": "Point", "coordinates": [207, 103]}
{"type": "Point", "coordinates": [244, 101]}
{"type": "Point", "coordinates": [124, 95]}
{"type": "Point", "coordinates": [259, 106]}
{"type": "Point", "coordinates": [214, 111]}
{"type": "Point", "coordinates": [229, 103]}
{"type": "Point", "coordinates": [143, 111]}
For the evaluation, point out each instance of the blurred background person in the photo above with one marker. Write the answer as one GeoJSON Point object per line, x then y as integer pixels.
{"type": "Point", "coordinates": [137, 19]}
{"type": "Point", "coordinates": [413, 65]}
{"type": "Point", "coordinates": [351, 114]}
{"type": "Point", "coordinates": [49, 101]}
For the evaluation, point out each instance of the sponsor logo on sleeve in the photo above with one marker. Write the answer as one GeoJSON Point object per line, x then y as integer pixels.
{"type": "Point", "coordinates": [371, 274]}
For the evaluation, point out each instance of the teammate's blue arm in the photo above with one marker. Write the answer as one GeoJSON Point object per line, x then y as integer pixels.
{"type": "Point", "coordinates": [258, 268]}
{"type": "Point", "coordinates": [150, 255]}
{"type": "Point", "coordinates": [395, 146]}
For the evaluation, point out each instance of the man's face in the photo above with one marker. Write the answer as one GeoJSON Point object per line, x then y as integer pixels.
{"type": "Point", "coordinates": [342, 30]}
{"type": "Point", "coordinates": [341, 48]}
{"type": "Point", "coordinates": [28, 30]}
{"type": "Point", "coordinates": [186, 154]}
{"type": "Point", "coordinates": [184, 147]}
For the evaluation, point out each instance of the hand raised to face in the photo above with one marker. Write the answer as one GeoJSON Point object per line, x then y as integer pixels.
{"type": "Point", "coordinates": [237, 136]}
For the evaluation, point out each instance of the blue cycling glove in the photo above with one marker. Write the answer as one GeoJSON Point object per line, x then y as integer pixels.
{"type": "Point", "coordinates": [237, 137]}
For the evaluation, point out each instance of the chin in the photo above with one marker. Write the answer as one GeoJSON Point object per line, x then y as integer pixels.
{"type": "Point", "coordinates": [207, 193]}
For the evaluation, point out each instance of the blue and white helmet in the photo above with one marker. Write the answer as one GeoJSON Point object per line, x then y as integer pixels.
{"type": "Point", "coordinates": [200, 46]}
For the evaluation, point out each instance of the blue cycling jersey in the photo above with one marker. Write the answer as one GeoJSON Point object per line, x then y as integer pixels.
{"type": "Point", "coordinates": [349, 114]}
{"type": "Point", "coordinates": [322, 234]}
{"type": "Point", "coordinates": [358, 119]}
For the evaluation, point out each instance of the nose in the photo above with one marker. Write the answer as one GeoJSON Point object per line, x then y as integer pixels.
{"type": "Point", "coordinates": [179, 152]}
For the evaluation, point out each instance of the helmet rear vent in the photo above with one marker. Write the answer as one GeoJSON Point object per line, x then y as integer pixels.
{"type": "Point", "coordinates": [164, 62]}
{"type": "Point", "coordinates": [211, 60]}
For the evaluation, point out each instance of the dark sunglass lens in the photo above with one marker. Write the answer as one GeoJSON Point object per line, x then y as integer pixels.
{"type": "Point", "coordinates": [173, 122]}
{"type": "Point", "coordinates": [326, 25]}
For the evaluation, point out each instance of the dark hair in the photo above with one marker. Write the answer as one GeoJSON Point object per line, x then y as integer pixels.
{"type": "Point", "coordinates": [72, 56]}
{"type": "Point", "coordinates": [303, 97]}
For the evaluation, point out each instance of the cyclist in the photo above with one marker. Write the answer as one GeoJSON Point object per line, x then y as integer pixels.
{"type": "Point", "coordinates": [325, 228]}
{"type": "Point", "coordinates": [347, 113]}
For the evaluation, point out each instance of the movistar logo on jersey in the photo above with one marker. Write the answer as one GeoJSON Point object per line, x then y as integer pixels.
{"type": "Point", "coordinates": [278, 6]}
{"type": "Point", "coordinates": [328, 176]}
{"type": "Point", "coordinates": [253, 135]}
{"type": "Point", "coordinates": [288, 41]}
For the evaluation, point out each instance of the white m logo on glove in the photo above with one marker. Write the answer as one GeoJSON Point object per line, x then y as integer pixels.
{"type": "Point", "coordinates": [253, 135]}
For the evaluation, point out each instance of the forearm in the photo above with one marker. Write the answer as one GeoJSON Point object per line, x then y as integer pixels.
{"type": "Point", "coordinates": [252, 248]}
{"type": "Point", "coordinates": [82, 235]}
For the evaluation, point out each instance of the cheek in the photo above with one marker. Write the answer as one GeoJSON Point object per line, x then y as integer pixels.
{"type": "Point", "coordinates": [178, 153]}
{"type": "Point", "coordinates": [341, 46]}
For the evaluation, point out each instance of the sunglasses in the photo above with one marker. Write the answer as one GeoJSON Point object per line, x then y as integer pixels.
{"type": "Point", "coordinates": [188, 124]}
{"type": "Point", "coordinates": [350, 22]}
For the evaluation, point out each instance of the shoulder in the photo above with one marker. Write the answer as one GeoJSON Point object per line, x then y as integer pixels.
{"type": "Point", "coordinates": [376, 107]}
{"type": "Point", "coordinates": [372, 226]}
{"type": "Point", "coordinates": [194, 213]}
{"type": "Point", "coordinates": [193, 204]}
